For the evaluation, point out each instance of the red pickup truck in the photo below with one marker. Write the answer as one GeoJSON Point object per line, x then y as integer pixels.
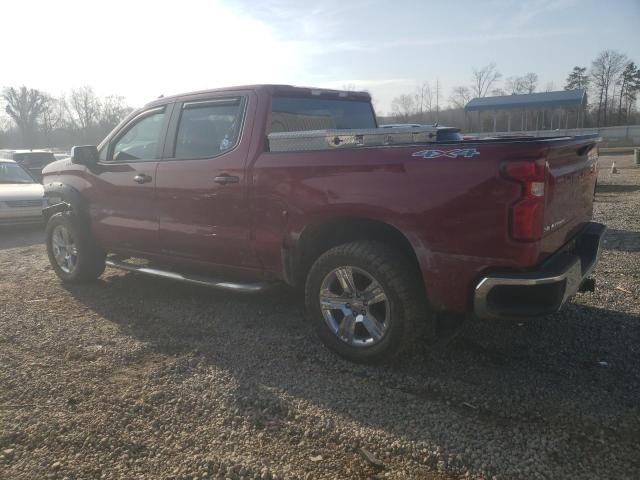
{"type": "Point", "coordinates": [239, 188]}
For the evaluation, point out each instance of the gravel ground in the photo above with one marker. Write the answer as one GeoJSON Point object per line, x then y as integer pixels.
{"type": "Point", "coordinates": [133, 377]}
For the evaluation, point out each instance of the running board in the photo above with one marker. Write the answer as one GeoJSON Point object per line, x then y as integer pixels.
{"type": "Point", "coordinates": [193, 279]}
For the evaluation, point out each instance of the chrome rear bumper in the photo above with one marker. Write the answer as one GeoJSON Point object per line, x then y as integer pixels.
{"type": "Point", "coordinates": [545, 290]}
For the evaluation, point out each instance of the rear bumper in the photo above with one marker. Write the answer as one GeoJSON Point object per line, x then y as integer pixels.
{"type": "Point", "coordinates": [544, 291]}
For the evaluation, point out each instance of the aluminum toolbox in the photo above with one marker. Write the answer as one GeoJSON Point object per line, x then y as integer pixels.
{"type": "Point", "coordinates": [341, 139]}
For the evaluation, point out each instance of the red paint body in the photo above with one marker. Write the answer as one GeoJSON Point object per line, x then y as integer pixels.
{"type": "Point", "coordinates": [453, 211]}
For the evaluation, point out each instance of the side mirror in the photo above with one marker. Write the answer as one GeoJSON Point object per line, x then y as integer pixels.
{"type": "Point", "coordinates": [84, 155]}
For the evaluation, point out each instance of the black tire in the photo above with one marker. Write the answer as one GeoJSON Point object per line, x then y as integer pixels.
{"type": "Point", "coordinates": [407, 306]}
{"type": "Point", "coordinates": [90, 258]}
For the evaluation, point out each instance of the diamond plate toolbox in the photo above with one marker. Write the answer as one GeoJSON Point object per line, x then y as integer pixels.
{"type": "Point", "coordinates": [344, 139]}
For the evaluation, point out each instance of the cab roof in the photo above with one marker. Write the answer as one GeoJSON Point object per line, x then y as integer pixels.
{"type": "Point", "coordinates": [271, 89]}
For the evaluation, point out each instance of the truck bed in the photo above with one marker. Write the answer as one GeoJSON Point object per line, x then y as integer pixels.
{"type": "Point", "coordinates": [449, 199]}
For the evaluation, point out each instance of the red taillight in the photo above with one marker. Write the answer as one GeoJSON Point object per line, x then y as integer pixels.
{"type": "Point", "coordinates": [527, 214]}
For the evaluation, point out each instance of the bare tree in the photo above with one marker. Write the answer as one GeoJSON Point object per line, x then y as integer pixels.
{"type": "Point", "coordinates": [520, 85]}
{"type": "Point", "coordinates": [605, 70]}
{"type": "Point", "coordinates": [484, 78]}
{"type": "Point", "coordinates": [422, 99]}
{"type": "Point", "coordinates": [54, 114]}
{"type": "Point", "coordinates": [498, 92]}
{"type": "Point", "coordinates": [549, 87]}
{"type": "Point", "coordinates": [460, 96]}
{"type": "Point", "coordinates": [403, 107]}
{"type": "Point", "coordinates": [84, 107]}
{"type": "Point", "coordinates": [514, 85]}
{"type": "Point", "coordinates": [25, 106]}
{"type": "Point", "coordinates": [4, 123]}
{"type": "Point", "coordinates": [529, 82]}
{"type": "Point", "coordinates": [112, 112]}
{"type": "Point", "coordinates": [40, 116]}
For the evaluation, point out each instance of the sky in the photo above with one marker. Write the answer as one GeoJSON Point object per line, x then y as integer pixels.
{"type": "Point", "coordinates": [142, 49]}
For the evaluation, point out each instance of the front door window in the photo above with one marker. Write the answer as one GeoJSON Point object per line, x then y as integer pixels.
{"type": "Point", "coordinates": [142, 140]}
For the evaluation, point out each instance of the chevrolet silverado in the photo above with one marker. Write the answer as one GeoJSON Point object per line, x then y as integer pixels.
{"type": "Point", "coordinates": [243, 187]}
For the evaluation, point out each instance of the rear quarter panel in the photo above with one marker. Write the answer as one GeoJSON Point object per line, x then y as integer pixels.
{"type": "Point", "coordinates": [454, 211]}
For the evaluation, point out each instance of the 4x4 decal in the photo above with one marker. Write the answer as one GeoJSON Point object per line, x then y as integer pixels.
{"type": "Point", "coordinates": [458, 152]}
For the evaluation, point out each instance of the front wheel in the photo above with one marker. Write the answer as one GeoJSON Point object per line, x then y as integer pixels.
{"type": "Point", "coordinates": [366, 301]}
{"type": "Point", "coordinates": [72, 251]}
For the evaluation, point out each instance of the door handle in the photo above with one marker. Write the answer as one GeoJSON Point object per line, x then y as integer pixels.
{"type": "Point", "coordinates": [225, 179]}
{"type": "Point", "coordinates": [141, 178]}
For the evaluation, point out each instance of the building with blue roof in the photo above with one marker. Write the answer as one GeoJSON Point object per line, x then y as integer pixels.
{"type": "Point", "coordinates": [539, 111]}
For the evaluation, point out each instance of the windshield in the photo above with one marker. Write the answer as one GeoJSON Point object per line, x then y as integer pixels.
{"type": "Point", "coordinates": [13, 173]}
{"type": "Point", "coordinates": [294, 114]}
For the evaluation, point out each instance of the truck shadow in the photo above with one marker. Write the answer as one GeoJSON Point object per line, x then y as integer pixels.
{"type": "Point", "coordinates": [616, 188]}
{"type": "Point", "coordinates": [21, 236]}
{"type": "Point", "coordinates": [622, 240]}
{"type": "Point", "coordinates": [578, 364]}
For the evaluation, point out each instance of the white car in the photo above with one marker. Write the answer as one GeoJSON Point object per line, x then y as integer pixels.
{"type": "Point", "coordinates": [21, 197]}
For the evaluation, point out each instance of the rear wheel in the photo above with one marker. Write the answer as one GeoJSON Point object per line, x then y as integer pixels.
{"type": "Point", "coordinates": [72, 251]}
{"type": "Point", "coordinates": [366, 301]}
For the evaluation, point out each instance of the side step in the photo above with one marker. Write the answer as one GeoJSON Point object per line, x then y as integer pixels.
{"type": "Point", "coordinates": [188, 278]}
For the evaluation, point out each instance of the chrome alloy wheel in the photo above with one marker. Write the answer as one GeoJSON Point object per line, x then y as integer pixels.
{"type": "Point", "coordinates": [64, 249]}
{"type": "Point", "coordinates": [354, 306]}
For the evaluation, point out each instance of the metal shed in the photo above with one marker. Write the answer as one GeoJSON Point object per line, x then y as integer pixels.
{"type": "Point", "coordinates": [567, 101]}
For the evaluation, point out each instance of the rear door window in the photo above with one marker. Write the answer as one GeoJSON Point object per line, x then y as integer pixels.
{"type": "Point", "coordinates": [209, 128]}
{"type": "Point", "coordinates": [294, 114]}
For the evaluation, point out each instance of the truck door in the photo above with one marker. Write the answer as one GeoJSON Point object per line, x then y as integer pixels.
{"type": "Point", "coordinates": [122, 184]}
{"type": "Point", "coordinates": [201, 184]}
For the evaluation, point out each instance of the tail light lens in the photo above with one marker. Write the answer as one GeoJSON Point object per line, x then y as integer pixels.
{"type": "Point", "coordinates": [526, 220]}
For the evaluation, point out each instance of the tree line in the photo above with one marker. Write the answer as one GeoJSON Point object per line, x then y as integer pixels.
{"type": "Point", "coordinates": [36, 119]}
{"type": "Point", "coordinates": [612, 82]}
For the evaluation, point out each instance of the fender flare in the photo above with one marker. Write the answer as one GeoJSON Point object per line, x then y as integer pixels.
{"type": "Point", "coordinates": [64, 198]}
{"type": "Point", "coordinates": [299, 244]}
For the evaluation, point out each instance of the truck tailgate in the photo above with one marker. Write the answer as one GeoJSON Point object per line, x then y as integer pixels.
{"type": "Point", "coordinates": [570, 186]}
